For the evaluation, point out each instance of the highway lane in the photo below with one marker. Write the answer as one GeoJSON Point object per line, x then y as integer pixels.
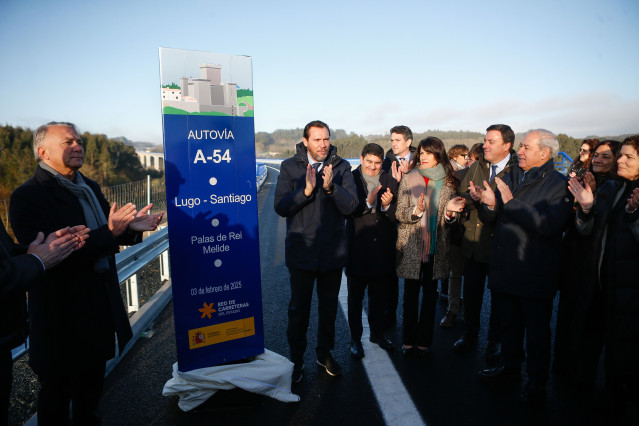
{"type": "Point", "coordinates": [444, 388]}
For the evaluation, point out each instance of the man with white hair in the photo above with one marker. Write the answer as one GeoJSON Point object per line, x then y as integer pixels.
{"type": "Point", "coordinates": [76, 309]}
{"type": "Point", "coordinates": [530, 207]}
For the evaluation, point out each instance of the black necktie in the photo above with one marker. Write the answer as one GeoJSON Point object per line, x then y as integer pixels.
{"type": "Point", "coordinates": [522, 177]}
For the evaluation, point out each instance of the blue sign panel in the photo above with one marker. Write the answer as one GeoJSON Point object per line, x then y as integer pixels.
{"type": "Point", "coordinates": [209, 144]}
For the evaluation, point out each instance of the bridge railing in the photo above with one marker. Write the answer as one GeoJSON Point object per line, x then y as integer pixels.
{"type": "Point", "coordinates": [563, 162]}
{"type": "Point", "coordinates": [129, 262]}
{"type": "Point", "coordinates": [132, 259]}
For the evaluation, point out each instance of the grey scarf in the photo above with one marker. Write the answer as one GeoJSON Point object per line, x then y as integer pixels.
{"type": "Point", "coordinates": [93, 214]}
{"type": "Point", "coordinates": [371, 182]}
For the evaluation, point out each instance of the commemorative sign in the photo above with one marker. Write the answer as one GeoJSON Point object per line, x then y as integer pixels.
{"type": "Point", "coordinates": [209, 149]}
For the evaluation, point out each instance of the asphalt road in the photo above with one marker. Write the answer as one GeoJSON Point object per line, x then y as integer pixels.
{"type": "Point", "coordinates": [442, 389]}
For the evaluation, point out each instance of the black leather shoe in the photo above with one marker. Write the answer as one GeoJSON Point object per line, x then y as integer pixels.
{"type": "Point", "coordinates": [534, 396]}
{"type": "Point", "coordinates": [357, 351]}
{"type": "Point", "coordinates": [493, 351]}
{"type": "Point", "coordinates": [383, 342]}
{"type": "Point", "coordinates": [500, 374]}
{"type": "Point", "coordinates": [465, 343]}
{"type": "Point", "coordinates": [330, 365]}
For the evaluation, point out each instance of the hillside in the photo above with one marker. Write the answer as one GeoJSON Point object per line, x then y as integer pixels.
{"type": "Point", "coordinates": [281, 143]}
{"type": "Point", "coordinates": [107, 161]}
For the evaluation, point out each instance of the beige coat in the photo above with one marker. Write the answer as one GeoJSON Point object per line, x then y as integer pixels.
{"type": "Point", "coordinates": [409, 239]}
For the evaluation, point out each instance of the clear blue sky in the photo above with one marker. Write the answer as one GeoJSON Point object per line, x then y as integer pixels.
{"type": "Point", "coordinates": [569, 66]}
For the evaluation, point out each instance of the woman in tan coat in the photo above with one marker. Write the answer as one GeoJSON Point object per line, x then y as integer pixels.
{"type": "Point", "coordinates": [426, 201]}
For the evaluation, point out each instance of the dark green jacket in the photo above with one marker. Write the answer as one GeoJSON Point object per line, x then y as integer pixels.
{"type": "Point", "coordinates": [478, 237]}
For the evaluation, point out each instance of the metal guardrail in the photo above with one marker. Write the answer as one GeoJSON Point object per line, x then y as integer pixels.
{"type": "Point", "coordinates": [133, 258]}
{"type": "Point", "coordinates": [563, 164]}
{"type": "Point", "coordinates": [129, 262]}
{"type": "Point", "coordinates": [262, 173]}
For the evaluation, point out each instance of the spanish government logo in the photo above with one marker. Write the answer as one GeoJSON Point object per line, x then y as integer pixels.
{"type": "Point", "coordinates": [198, 338]}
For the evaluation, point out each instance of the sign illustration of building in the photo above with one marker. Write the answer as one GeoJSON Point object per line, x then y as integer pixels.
{"type": "Point", "coordinates": [207, 94]}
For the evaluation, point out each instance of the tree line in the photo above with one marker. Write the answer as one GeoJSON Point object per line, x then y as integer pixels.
{"type": "Point", "coordinates": [281, 143]}
{"type": "Point", "coordinates": [107, 161]}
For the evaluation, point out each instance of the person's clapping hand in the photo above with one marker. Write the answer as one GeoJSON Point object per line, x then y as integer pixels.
{"type": "Point", "coordinates": [633, 200]}
{"type": "Point", "coordinates": [583, 194]}
{"type": "Point", "coordinates": [59, 244]}
{"type": "Point", "coordinates": [387, 197]}
{"type": "Point", "coordinates": [456, 204]}
{"type": "Point", "coordinates": [504, 190]}
{"type": "Point", "coordinates": [145, 222]}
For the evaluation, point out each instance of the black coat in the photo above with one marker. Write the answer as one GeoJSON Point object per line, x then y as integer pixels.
{"type": "Point", "coordinates": [372, 236]}
{"type": "Point", "coordinates": [75, 310]}
{"type": "Point", "coordinates": [526, 248]}
{"type": "Point", "coordinates": [392, 158]}
{"type": "Point", "coordinates": [315, 226]}
{"type": "Point", "coordinates": [617, 274]}
{"type": "Point", "coordinates": [18, 271]}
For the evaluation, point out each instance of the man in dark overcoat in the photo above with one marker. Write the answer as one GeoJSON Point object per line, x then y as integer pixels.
{"type": "Point", "coordinates": [372, 234]}
{"type": "Point", "coordinates": [77, 310]}
{"type": "Point", "coordinates": [315, 191]}
{"type": "Point", "coordinates": [20, 268]}
{"type": "Point", "coordinates": [531, 207]}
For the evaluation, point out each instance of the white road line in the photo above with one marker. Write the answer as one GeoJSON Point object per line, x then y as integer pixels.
{"type": "Point", "coordinates": [394, 400]}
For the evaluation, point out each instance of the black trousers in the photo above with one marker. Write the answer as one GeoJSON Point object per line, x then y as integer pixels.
{"type": "Point", "coordinates": [299, 310]}
{"type": "Point", "coordinates": [418, 329]}
{"type": "Point", "coordinates": [530, 317]}
{"type": "Point", "coordinates": [82, 389]}
{"type": "Point", "coordinates": [579, 344]}
{"type": "Point", "coordinates": [390, 308]}
{"type": "Point", "coordinates": [377, 293]}
{"type": "Point", "coordinates": [475, 274]}
{"type": "Point", "coordinates": [6, 376]}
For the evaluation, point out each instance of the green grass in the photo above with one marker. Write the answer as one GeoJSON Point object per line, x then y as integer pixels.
{"type": "Point", "coordinates": [248, 100]}
{"type": "Point", "coordinates": [177, 111]}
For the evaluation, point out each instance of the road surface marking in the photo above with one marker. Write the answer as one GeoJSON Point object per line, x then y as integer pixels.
{"type": "Point", "coordinates": [394, 401]}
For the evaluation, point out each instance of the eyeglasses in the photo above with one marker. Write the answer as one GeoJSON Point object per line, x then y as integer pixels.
{"type": "Point", "coordinates": [464, 155]}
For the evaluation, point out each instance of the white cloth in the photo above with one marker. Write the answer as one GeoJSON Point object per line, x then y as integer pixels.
{"type": "Point", "coordinates": [268, 374]}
